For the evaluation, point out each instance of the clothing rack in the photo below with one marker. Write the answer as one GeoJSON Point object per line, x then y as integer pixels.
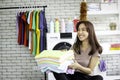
{"type": "Point", "coordinates": [23, 7]}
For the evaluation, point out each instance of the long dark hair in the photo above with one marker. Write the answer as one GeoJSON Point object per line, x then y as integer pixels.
{"type": "Point", "coordinates": [95, 46]}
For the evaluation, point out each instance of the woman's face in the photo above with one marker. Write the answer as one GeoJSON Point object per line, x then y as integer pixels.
{"type": "Point", "coordinates": [82, 32]}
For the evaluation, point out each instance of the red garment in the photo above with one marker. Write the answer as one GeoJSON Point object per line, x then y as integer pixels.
{"type": "Point", "coordinates": [24, 18]}
{"type": "Point", "coordinates": [19, 28]}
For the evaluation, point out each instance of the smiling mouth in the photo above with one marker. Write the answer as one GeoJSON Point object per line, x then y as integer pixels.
{"type": "Point", "coordinates": [80, 36]}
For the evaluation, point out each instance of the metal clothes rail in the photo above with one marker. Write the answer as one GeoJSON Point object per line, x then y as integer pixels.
{"type": "Point", "coordinates": [23, 7]}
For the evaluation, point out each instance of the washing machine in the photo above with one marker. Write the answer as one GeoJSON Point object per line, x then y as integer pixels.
{"type": "Point", "coordinates": [59, 41]}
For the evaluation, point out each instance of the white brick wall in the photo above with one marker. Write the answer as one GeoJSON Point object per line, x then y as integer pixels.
{"type": "Point", "coordinates": [113, 64]}
{"type": "Point", "coordinates": [16, 63]}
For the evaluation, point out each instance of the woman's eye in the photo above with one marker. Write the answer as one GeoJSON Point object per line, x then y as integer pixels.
{"type": "Point", "coordinates": [82, 30]}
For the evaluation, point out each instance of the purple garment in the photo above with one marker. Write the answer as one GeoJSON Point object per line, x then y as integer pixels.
{"type": "Point", "coordinates": [23, 29]}
{"type": "Point", "coordinates": [43, 29]}
{"type": "Point", "coordinates": [102, 66]}
{"type": "Point", "coordinates": [70, 71]}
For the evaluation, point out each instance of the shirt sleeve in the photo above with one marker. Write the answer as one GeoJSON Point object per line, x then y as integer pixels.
{"type": "Point", "coordinates": [96, 54]}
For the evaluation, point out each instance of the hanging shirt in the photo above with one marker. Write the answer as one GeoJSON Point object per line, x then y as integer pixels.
{"type": "Point", "coordinates": [27, 30]}
{"type": "Point", "coordinates": [24, 18]}
{"type": "Point", "coordinates": [31, 20]}
{"type": "Point", "coordinates": [28, 18]}
{"type": "Point", "coordinates": [34, 33]}
{"type": "Point", "coordinates": [37, 33]}
{"type": "Point", "coordinates": [23, 27]}
{"type": "Point", "coordinates": [43, 28]}
{"type": "Point", "coordinates": [20, 29]}
{"type": "Point", "coordinates": [30, 31]}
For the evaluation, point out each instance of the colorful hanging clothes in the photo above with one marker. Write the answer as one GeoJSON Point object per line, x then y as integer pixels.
{"type": "Point", "coordinates": [22, 29]}
{"type": "Point", "coordinates": [31, 30]}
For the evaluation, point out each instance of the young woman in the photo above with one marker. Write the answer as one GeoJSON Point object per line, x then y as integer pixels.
{"type": "Point", "coordinates": [87, 52]}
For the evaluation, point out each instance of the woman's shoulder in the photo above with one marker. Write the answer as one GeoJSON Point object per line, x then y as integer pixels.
{"type": "Point", "coordinates": [96, 54]}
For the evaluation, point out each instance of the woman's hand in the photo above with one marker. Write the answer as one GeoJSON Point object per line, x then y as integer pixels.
{"type": "Point", "coordinates": [74, 65]}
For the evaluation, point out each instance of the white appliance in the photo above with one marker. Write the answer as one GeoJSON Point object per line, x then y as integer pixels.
{"type": "Point", "coordinates": [58, 41]}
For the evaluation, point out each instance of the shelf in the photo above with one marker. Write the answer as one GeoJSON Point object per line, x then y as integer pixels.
{"type": "Point", "coordinates": [102, 12]}
{"type": "Point", "coordinates": [112, 52]}
{"type": "Point", "coordinates": [115, 32]}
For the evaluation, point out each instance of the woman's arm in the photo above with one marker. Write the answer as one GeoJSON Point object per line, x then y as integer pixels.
{"type": "Point", "coordinates": [87, 70]}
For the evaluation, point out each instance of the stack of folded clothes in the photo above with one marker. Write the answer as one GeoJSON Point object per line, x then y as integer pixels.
{"type": "Point", "coordinates": [54, 60]}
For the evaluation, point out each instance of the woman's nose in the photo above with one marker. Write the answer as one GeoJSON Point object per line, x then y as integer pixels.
{"type": "Point", "coordinates": [80, 31]}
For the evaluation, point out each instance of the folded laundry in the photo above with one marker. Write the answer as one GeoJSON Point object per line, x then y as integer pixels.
{"type": "Point", "coordinates": [54, 60]}
{"type": "Point", "coordinates": [115, 46]}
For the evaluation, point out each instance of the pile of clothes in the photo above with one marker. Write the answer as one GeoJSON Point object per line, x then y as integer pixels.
{"type": "Point", "coordinates": [55, 60]}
